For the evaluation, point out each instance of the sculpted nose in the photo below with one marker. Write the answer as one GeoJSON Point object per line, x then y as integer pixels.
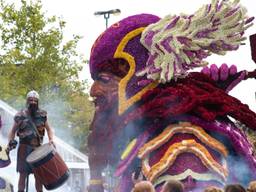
{"type": "Point", "coordinates": [92, 90]}
{"type": "Point", "coordinates": [95, 89]}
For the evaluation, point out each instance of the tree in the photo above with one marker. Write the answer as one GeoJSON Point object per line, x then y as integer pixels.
{"type": "Point", "coordinates": [34, 55]}
{"type": "Point", "coordinates": [33, 52]}
{"type": "Point", "coordinates": [82, 111]}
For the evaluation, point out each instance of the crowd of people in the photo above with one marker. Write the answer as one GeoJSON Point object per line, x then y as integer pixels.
{"type": "Point", "coordinates": [177, 186]}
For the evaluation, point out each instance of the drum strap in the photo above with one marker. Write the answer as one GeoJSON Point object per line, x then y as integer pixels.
{"type": "Point", "coordinates": [34, 127]}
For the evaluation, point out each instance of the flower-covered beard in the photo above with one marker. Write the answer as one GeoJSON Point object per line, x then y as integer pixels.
{"type": "Point", "coordinates": [105, 113]}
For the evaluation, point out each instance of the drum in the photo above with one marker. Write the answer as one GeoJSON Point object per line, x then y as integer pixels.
{"type": "Point", "coordinates": [48, 166]}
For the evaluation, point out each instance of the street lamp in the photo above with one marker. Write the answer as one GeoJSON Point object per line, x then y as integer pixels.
{"type": "Point", "coordinates": [107, 14]}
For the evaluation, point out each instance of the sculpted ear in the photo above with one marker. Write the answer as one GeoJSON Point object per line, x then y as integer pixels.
{"type": "Point", "coordinates": [253, 46]}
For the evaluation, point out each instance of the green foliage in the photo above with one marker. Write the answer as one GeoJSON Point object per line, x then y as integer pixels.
{"type": "Point", "coordinates": [33, 52]}
{"type": "Point", "coordinates": [34, 55]}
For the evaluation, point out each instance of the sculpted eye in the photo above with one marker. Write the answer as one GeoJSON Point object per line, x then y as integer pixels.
{"type": "Point", "coordinates": [104, 78]}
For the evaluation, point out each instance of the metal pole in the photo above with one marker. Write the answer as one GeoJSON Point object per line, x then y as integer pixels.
{"type": "Point", "coordinates": [106, 17]}
{"type": "Point", "coordinates": [106, 14]}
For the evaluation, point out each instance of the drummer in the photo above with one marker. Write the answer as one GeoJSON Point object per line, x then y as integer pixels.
{"type": "Point", "coordinates": [30, 125]}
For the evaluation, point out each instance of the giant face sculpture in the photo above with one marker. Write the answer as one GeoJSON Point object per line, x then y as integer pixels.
{"type": "Point", "coordinates": [171, 127]}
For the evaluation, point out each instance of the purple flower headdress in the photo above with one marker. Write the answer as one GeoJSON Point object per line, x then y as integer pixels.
{"type": "Point", "coordinates": [179, 43]}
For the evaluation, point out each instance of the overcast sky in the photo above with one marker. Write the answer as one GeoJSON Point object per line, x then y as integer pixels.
{"type": "Point", "coordinates": [79, 15]}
